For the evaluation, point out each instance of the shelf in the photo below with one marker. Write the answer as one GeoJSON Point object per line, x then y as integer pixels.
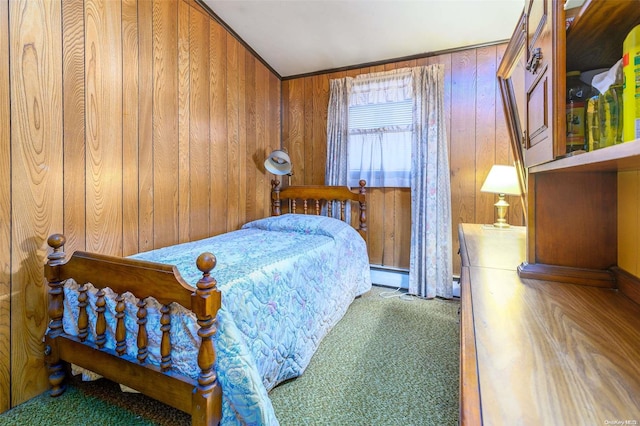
{"type": "Point", "coordinates": [625, 156]}
{"type": "Point", "coordinates": [594, 39]}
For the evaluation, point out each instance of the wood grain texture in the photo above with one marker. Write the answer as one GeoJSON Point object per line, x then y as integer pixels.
{"type": "Point", "coordinates": [218, 121]}
{"type": "Point", "coordinates": [145, 126]}
{"type": "Point", "coordinates": [485, 124]}
{"type": "Point", "coordinates": [572, 202]}
{"type": "Point", "coordinates": [233, 129]}
{"type": "Point", "coordinates": [120, 112]}
{"type": "Point", "coordinates": [5, 212]}
{"type": "Point", "coordinates": [548, 353]}
{"type": "Point", "coordinates": [73, 62]}
{"type": "Point", "coordinates": [629, 221]}
{"type": "Point", "coordinates": [130, 127]}
{"type": "Point", "coordinates": [165, 124]}
{"type": "Point", "coordinates": [36, 180]}
{"type": "Point", "coordinates": [198, 166]}
{"type": "Point", "coordinates": [242, 137]}
{"type": "Point", "coordinates": [504, 153]}
{"type": "Point", "coordinates": [103, 121]}
{"type": "Point", "coordinates": [464, 171]}
{"type": "Point", "coordinates": [184, 118]}
{"type": "Point", "coordinates": [250, 137]}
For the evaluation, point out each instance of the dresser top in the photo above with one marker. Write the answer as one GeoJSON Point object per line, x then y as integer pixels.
{"type": "Point", "coordinates": [547, 353]}
{"type": "Point", "coordinates": [491, 247]}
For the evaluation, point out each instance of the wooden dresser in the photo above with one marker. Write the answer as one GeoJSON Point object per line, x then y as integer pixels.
{"type": "Point", "coordinates": [537, 352]}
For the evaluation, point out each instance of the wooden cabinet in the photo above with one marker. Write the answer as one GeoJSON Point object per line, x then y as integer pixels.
{"type": "Point", "coordinates": [572, 202]}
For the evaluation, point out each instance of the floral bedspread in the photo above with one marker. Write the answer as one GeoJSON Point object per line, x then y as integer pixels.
{"type": "Point", "coordinates": [285, 282]}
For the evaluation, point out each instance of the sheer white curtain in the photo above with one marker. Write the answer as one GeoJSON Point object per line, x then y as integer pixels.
{"type": "Point", "coordinates": [380, 129]}
{"type": "Point", "coordinates": [387, 149]}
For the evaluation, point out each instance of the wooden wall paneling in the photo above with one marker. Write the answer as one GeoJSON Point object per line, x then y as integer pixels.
{"type": "Point", "coordinates": [275, 114]}
{"type": "Point", "coordinates": [250, 96]}
{"type": "Point", "coordinates": [242, 137]}
{"type": "Point", "coordinates": [463, 134]}
{"type": "Point", "coordinates": [504, 155]}
{"type": "Point", "coordinates": [199, 165]}
{"type": "Point", "coordinates": [233, 141]}
{"type": "Point", "coordinates": [261, 139]}
{"type": "Point", "coordinates": [146, 78]}
{"type": "Point", "coordinates": [184, 120]}
{"type": "Point", "coordinates": [36, 180]}
{"type": "Point", "coordinates": [387, 205]}
{"type": "Point", "coordinates": [628, 221]}
{"type": "Point", "coordinates": [165, 123]}
{"type": "Point", "coordinates": [485, 137]}
{"type": "Point", "coordinates": [130, 127]}
{"type": "Point", "coordinates": [565, 214]}
{"type": "Point", "coordinates": [402, 228]}
{"type": "Point", "coordinates": [295, 137]}
{"type": "Point", "coordinates": [307, 138]}
{"type": "Point", "coordinates": [73, 63]}
{"type": "Point", "coordinates": [375, 222]}
{"type": "Point", "coordinates": [319, 132]}
{"type": "Point", "coordinates": [103, 121]}
{"type": "Point", "coordinates": [5, 212]}
{"type": "Point", "coordinates": [218, 133]}
{"type": "Point", "coordinates": [285, 104]}
{"type": "Point", "coordinates": [388, 226]}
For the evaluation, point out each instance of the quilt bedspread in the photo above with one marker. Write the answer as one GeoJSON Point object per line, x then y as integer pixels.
{"type": "Point", "coordinates": [285, 282]}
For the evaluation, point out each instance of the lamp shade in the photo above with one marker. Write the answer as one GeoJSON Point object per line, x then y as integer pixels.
{"type": "Point", "coordinates": [502, 180]}
{"type": "Point", "coordinates": [278, 163]}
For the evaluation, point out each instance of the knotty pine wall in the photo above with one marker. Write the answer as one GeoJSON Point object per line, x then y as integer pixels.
{"type": "Point", "coordinates": [478, 138]}
{"type": "Point", "coordinates": [128, 125]}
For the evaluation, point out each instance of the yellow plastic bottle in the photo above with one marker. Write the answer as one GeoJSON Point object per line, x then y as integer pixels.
{"type": "Point", "coordinates": [631, 87]}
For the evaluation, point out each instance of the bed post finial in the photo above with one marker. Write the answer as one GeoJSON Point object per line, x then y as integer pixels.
{"type": "Point", "coordinates": [206, 302]}
{"type": "Point", "coordinates": [55, 258]}
{"type": "Point", "coordinates": [56, 300]}
{"type": "Point", "coordinates": [363, 209]}
{"type": "Point", "coordinates": [275, 198]}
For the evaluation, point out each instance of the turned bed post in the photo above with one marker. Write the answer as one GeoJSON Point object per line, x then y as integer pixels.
{"type": "Point", "coordinates": [56, 310]}
{"type": "Point", "coordinates": [363, 209]}
{"type": "Point", "coordinates": [206, 300]}
{"type": "Point", "coordinates": [275, 198]}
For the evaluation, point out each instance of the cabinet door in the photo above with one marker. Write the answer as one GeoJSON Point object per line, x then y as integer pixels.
{"type": "Point", "coordinates": [543, 81]}
{"type": "Point", "coordinates": [538, 144]}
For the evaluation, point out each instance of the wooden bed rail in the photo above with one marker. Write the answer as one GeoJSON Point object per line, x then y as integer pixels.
{"type": "Point", "coordinates": [313, 199]}
{"type": "Point", "coordinates": [202, 398]}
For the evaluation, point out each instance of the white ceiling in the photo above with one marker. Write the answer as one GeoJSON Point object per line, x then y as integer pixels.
{"type": "Point", "coordinates": [302, 36]}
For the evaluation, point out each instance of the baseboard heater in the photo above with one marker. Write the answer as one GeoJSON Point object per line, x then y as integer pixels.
{"type": "Point", "coordinates": [399, 278]}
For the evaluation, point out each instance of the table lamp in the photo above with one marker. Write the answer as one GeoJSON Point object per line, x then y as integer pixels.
{"type": "Point", "coordinates": [502, 180]}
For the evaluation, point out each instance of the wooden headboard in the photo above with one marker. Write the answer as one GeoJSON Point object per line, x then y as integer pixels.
{"type": "Point", "coordinates": [312, 198]}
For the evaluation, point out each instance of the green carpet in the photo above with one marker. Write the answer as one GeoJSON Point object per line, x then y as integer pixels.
{"type": "Point", "coordinates": [389, 361]}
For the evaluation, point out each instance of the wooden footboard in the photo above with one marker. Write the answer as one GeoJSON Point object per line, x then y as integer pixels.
{"type": "Point", "coordinates": [312, 198]}
{"type": "Point", "coordinates": [202, 398]}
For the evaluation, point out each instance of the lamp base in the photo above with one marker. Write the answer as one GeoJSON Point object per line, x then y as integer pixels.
{"type": "Point", "coordinates": [501, 207]}
{"type": "Point", "coordinates": [501, 225]}
{"type": "Point", "coordinates": [493, 227]}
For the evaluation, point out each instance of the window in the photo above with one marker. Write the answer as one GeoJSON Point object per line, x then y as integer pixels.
{"type": "Point", "coordinates": [380, 130]}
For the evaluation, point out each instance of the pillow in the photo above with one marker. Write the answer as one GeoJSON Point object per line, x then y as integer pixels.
{"type": "Point", "coordinates": [300, 223]}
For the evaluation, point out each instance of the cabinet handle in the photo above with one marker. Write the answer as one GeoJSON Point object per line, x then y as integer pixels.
{"type": "Point", "coordinates": [534, 60]}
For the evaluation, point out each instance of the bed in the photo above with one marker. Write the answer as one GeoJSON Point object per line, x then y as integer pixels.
{"type": "Point", "coordinates": [161, 324]}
